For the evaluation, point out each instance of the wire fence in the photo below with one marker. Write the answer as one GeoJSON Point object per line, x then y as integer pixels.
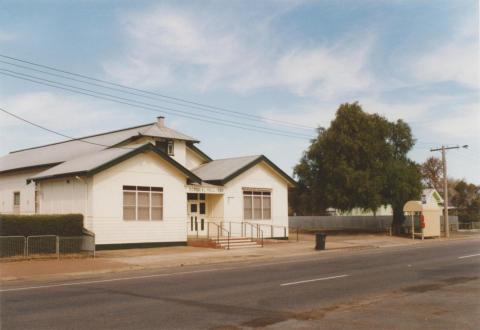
{"type": "Point", "coordinates": [12, 246]}
{"type": "Point", "coordinates": [46, 246]}
{"type": "Point", "coordinates": [469, 225]}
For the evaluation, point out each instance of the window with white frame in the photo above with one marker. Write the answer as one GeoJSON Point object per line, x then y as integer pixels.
{"type": "Point", "coordinates": [142, 203]}
{"type": "Point", "coordinates": [257, 205]}
{"type": "Point", "coordinates": [170, 148]}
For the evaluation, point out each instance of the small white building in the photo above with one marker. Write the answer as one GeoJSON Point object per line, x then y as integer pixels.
{"type": "Point", "coordinates": [146, 185]}
{"type": "Point", "coordinates": [429, 196]}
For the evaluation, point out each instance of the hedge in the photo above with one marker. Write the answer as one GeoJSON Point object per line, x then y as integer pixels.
{"type": "Point", "coordinates": [41, 224]}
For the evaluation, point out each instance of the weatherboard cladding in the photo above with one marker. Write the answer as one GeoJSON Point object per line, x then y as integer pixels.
{"type": "Point", "coordinates": [67, 150]}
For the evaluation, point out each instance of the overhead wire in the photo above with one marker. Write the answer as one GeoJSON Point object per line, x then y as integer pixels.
{"type": "Point", "coordinates": [245, 117]}
{"type": "Point", "coordinates": [56, 132]}
{"type": "Point", "coordinates": [202, 105]}
{"type": "Point", "coordinates": [148, 106]}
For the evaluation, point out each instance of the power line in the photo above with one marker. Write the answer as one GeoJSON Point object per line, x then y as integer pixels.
{"type": "Point", "coordinates": [151, 107]}
{"type": "Point", "coordinates": [204, 106]}
{"type": "Point", "coordinates": [142, 103]}
{"type": "Point", "coordinates": [57, 133]}
{"type": "Point", "coordinates": [244, 116]}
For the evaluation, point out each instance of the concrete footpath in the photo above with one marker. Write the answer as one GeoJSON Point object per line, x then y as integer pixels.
{"type": "Point", "coordinates": [152, 258]}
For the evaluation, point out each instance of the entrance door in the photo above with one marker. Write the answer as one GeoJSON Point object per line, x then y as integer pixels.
{"type": "Point", "coordinates": [196, 216]}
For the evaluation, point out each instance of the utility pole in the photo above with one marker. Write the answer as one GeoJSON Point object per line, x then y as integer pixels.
{"type": "Point", "coordinates": [443, 149]}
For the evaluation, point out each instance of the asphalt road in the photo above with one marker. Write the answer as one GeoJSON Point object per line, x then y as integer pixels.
{"type": "Point", "coordinates": [434, 285]}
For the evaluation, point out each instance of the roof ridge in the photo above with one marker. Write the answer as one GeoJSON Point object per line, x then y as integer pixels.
{"type": "Point", "coordinates": [260, 155]}
{"type": "Point", "coordinates": [80, 138]}
{"type": "Point", "coordinates": [213, 160]}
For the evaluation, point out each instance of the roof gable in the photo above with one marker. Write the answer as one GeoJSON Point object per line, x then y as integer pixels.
{"type": "Point", "coordinates": [60, 152]}
{"type": "Point", "coordinates": [222, 171]}
{"type": "Point", "coordinates": [99, 161]}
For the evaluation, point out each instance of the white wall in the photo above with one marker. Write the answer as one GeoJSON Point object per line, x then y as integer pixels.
{"type": "Point", "coordinates": [214, 205]}
{"type": "Point", "coordinates": [259, 176]}
{"type": "Point", "coordinates": [179, 146]}
{"type": "Point", "coordinates": [141, 170]}
{"type": "Point", "coordinates": [193, 159]}
{"type": "Point", "coordinates": [17, 181]}
{"type": "Point", "coordinates": [62, 196]}
{"type": "Point", "coordinates": [179, 152]}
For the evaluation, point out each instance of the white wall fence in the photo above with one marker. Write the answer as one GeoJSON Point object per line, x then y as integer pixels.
{"type": "Point", "coordinates": [355, 223]}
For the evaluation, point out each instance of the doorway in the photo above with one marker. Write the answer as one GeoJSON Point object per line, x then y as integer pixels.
{"type": "Point", "coordinates": [197, 224]}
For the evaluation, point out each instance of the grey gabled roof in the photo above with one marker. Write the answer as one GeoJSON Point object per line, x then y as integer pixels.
{"type": "Point", "coordinates": [221, 171]}
{"type": "Point", "coordinates": [56, 153]}
{"type": "Point", "coordinates": [100, 160]}
{"type": "Point", "coordinates": [165, 132]}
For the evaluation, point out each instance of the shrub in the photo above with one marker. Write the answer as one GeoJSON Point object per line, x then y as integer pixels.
{"type": "Point", "coordinates": [41, 224]}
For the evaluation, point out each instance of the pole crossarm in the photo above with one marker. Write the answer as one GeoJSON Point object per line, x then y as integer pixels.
{"type": "Point", "coordinates": [445, 148]}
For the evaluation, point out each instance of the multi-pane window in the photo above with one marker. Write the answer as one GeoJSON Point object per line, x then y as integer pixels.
{"type": "Point", "coordinates": [257, 205]}
{"type": "Point", "coordinates": [142, 203]}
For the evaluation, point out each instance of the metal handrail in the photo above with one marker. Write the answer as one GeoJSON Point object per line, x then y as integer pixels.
{"type": "Point", "coordinates": [220, 230]}
{"type": "Point", "coordinates": [259, 232]}
{"type": "Point", "coordinates": [244, 231]}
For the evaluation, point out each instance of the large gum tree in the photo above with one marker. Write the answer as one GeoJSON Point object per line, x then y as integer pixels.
{"type": "Point", "coordinates": [360, 161]}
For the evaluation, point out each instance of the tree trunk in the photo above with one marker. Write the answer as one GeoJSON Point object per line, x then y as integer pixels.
{"type": "Point", "coordinates": [398, 219]}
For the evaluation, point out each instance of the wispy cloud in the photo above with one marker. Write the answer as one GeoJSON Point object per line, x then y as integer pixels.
{"type": "Point", "coordinates": [61, 113]}
{"type": "Point", "coordinates": [7, 36]}
{"type": "Point", "coordinates": [200, 51]}
{"type": "Point", "coordinates": [457, 60]}
{"type": "Point", "coordinates": [461, 124]}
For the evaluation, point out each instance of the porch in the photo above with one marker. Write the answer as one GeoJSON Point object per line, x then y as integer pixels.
{"type": "Point", "coordinates": [210, 220]}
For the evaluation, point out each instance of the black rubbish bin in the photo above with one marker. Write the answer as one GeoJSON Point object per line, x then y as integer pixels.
{"type": "Point", "coordinates": [320, 239]}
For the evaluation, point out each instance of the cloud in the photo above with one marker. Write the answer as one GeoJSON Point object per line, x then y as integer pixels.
{"type": "Point", "coordinates": [61, 113]}
{"type": "Point", "coordinates": [456, 60]}
{"type": "Point", "coordinates": [6, 36]}
{"type": "Point", "coordinates": [463, 123]}
{"type": "Point", "coordinates": [180, 47]}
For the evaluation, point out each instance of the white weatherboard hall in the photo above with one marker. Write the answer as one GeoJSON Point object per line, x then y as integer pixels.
{"type": "Point", "coordinates": [146, 185]}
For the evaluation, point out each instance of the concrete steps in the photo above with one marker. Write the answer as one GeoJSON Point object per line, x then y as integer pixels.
{"type": "Point", "coordinates": [237, 243]}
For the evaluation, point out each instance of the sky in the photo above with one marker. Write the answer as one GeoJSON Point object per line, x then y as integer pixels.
{"type": "Point", "coordinates": [291, 61]}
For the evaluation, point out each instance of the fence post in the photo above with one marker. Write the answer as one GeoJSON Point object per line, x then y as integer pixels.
{"type": "Point", "coordinates": [25, 247]}
{"type": "Point", "coordinates": [57, 246]}
{"type": "Point", "coordinates": [284, 232]}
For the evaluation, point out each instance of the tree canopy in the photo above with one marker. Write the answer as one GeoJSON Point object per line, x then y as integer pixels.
{"type": "Point", "coordinates": [360, 161]}
{"type": "Point", "coordinates": [467, 201]}
{"type": "Point", "coordinates": [432, 174]}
